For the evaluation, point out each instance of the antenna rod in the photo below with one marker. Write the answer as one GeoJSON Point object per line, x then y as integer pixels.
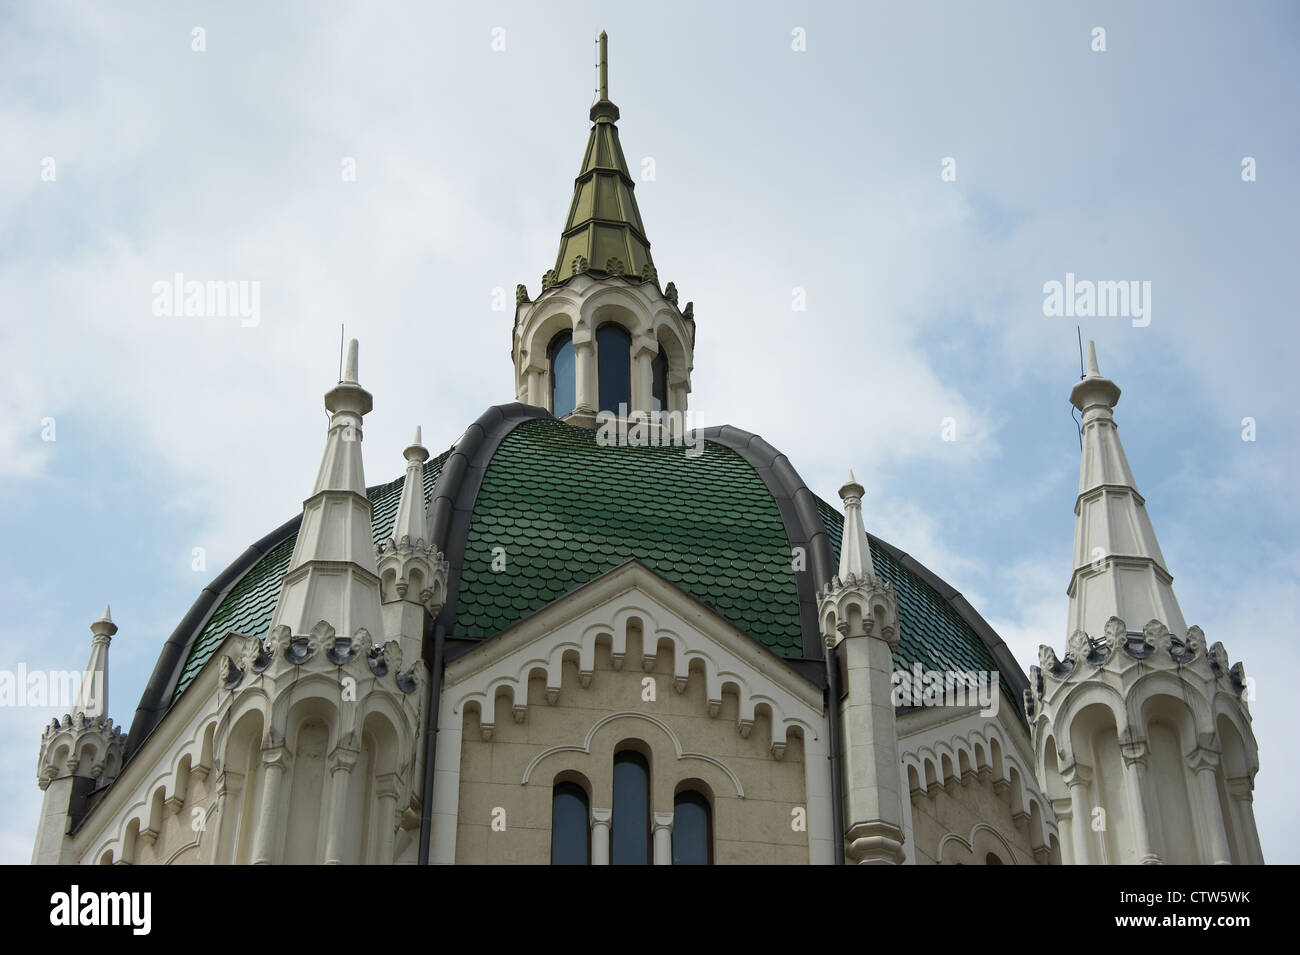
{"type": "Point", "coordinates": [1078, 331]}
{"type": "Point", "coordinates": [340, 351]}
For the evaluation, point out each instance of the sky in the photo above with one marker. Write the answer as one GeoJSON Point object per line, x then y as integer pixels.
{"type": "Point", "coordinates": [783, 154]}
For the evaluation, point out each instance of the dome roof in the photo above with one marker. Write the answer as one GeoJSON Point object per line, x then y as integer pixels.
{"type": "Point", "coordinates": [719, 522]}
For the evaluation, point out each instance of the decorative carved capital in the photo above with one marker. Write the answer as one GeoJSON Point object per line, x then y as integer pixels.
{"type": "Point", "coordinates": [1203, 760]}
{"type": "Point", "coordinates": [1134, 752]}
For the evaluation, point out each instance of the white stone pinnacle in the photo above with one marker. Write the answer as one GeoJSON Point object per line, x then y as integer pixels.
{"type": "Point", "coordinates": [350, 366]}
{"type": "Point", "coordinates": [855, 551]}
{"type": "Point", "coordinates": [332, 575]}
{"type": "Point", "coordinates": [412, 520]}
{"type": "Point", "coordinates": [1093, 370]}
{"type": "Point", "coordinates": [93, 695]}
{"type": "Point", "coordinates": [1119, 570]}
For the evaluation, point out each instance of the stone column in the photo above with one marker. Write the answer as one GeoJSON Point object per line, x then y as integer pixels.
{"type": "Point", "coordinates": [1076, 778]}
{"type": "Point", "coordinates": [1239, 793]}
{"type": "Point", "coordinates": [1061, 809]}
{"type": "Point", "coordinates": [228, 785]}
{"type": "Point", "coordinates": [587, 394]}
{"type": "Point", "coordinates": [536, 393]}
{"type": "Point", "coordinates": [53, 827]}
{"type": "Point", "coordinates": [275, 764]}
{"type": "Point", "coordinates": [663, 838]}
{"type": "Point", "coordinates": [600, 820]}
{"type": "Point", "coordinates": [873, 795]}
{"type": "Point", "coordinates": [386, 809]}
{"type": "Point", "coordinates": [1135, 762]}
{"type": "Point", "coordinates": [642, 376]}
{"type": "Point", "coordinates": [1203, 763]}
{"type": "Point", "coordinates": [336, 836]}
{"type": "Point", "coordinates": [677, 391]}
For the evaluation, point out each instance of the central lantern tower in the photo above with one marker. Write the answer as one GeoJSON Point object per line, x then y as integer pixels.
{"type": "Point", "coordinates": [603, 335]}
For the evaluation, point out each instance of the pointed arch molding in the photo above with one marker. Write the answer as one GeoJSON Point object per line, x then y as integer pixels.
{"type": "Point", "coordinates": [944, 755]}
{"type": "Point", "coordinates": [609, 718]}
{"type": "Point", "coordinates": [968, 843]}
{"type": "Point", "coordinates": [604, 608]}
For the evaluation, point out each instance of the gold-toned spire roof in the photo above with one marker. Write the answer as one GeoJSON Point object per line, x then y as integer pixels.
{"type": "Point", "coordinates": [604, 233]}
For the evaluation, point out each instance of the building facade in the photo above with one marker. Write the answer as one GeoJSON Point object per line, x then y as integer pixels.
{"type": "Point", "coordinates": [591, 633]}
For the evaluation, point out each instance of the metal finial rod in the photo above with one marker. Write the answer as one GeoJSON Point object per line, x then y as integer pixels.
{"type": "Point", "coordinates": [604, 66]}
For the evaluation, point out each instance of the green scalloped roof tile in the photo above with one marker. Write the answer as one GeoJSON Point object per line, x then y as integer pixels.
{"type": "Point", "coordinates": [693, 520]}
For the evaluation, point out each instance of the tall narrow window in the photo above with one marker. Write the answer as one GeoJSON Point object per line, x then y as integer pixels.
{"type": "Point", "coordinates": [570, 832]}
{"type": "Point", "coordinates": [629, 835]}
{"type": "Point", "coordinates": [563, 375]}
{"type": "Point", "coordinates": [659, 382]}
{"type": "Point", "coordinates": [692, 830]}
{"type": "Point", "coordinates": [614, 367]}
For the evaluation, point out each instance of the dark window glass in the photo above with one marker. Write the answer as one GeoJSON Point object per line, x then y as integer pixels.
{"type": "Point", "coordinates": [570, 831]}
{"type": "Point", "coordinates": [659, 383]}
{"type": "Point", "coordinates": [614, 367]}
{"type": "Point", "coordinates": [564, 381]}
{"type": "Point", "coordinates": [991, 859]}
{"type": "Point", "coordinates": [629, 837]}
{"type": "Point", "coordinates": [692, 830]}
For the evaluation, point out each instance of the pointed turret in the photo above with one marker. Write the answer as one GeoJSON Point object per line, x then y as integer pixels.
{"type": "Point", "coordinates": [855, 552]}
{"type": "Point", "coordinates": [413, 571]}
{"type": "Point", "coordinates": [859, 624]}
{"type": "Point", "coordinates": [412, 518]}
{"type": "Point", "coordinates": [604, 265]}
{"type": "Point", "coordinates": [604, 233]}
{"type": "Point", "coordinates": [348, 403]}
{"type": "Point", "coordinates": [332, 575]}
{"type": "Point", "coordinates": [1170, 795]}
{"type": "Point", "coordinates": [80, 752]}
{"type": "Point", "coordinates": [92, 696]}
{"type": "Point", "coordinates": [1119, 570]}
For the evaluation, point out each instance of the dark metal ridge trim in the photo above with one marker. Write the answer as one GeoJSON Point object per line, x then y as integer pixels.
{"type": "Point", "coordinates": [156, 699]}
{"type": "Point", "coordinates": [803, 525]}
{"type": "Point", "coordinates": [452, 505]}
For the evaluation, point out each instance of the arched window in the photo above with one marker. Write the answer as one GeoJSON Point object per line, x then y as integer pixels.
{"type": "Point", "coordinates": [614, 367]}
{"type": "Point", "coordinates": [570, 832]}
{"type": "Point", "coordinates": [692, 829]}
{"type": "Point", "coordinates": [564, 381]}
{"type": "Point", "coordinates": [629, 836]}
{"type": "Point", "coordinates": [992, 859]}
{"type": "Point", "coordinates": [659, 382]}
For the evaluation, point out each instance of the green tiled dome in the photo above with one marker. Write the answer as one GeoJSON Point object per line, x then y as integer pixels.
{"type": "Point", "coordinates": [560, 509]}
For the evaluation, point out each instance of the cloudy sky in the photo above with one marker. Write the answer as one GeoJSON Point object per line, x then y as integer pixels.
{"type": "Point", "coordinates": [129, 156]}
